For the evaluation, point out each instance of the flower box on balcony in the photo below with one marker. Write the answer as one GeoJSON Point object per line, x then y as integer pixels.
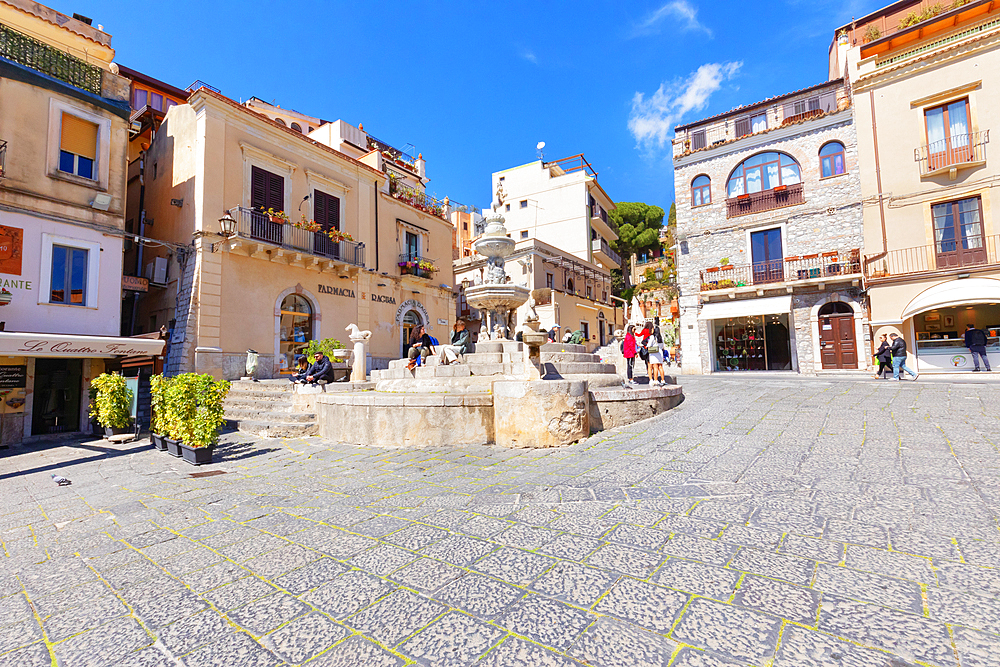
{"type": "Point", "coordinates": [781, 188]}
{"type": "Point", "coordinates": [726, 267]}
{"type": "Point", "coordinates": [711, 269]}
{"type": "Point", "coordinates": [742, 198]}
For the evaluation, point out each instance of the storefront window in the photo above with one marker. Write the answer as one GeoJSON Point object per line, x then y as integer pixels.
{"type": "Point", "coordinates": [295, 330]}
{"type": "Point", "coordinates": [941, 336]}
{"type": "Point", "coordinates": [753, 343]}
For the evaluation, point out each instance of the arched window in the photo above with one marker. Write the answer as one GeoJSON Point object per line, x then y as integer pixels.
{"type": "Point", "coordinates": [569, 286]}
{"type": "Point", "coordinates": [764, 171]}
{"type": "Point", "coordinates": [312, 129]}
{"type": "Point", "coordinates": [297, 127]}
{"type": "Point", "coordinates": [295, 327]}
{"type": "Point", "coordinates": [831, 159]}
{"type": "Point", "coordinates": [278, 120]}
{"type": "Point", "coordinates": [701, 191]}
{"type": "Point", "coordinates": [835, 308]}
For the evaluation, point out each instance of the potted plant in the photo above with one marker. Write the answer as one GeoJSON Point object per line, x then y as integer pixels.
{"type": "Point", "coordinates": [158, 422]}
{"type": "Point", "coordinates": [331, 347]}
{"type": "Point", "coordinates": [112, 403]}
{"type": "Point", "coordinates": [171, 418]}
{"type": "Point", "coordinates": [277, 216]}
{"type": "Point", "coordinates": [201, 433]}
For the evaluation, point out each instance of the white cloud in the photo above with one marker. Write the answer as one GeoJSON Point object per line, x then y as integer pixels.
{"type": "Point", "coordinates": [684, 13]}
{"type": "Point", "coordinates": [530, 57]}
{"type": "Point", "coordinates": [652, 119]}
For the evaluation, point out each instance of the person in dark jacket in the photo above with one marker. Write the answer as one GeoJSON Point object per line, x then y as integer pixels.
{"type": "Point", "coordinates": [301, 369]}
{"type": "Point", "coordinates": [321, 370]}
{"type": "Point", "coordinates": [975, 340]}
{"type": "Point", "coordinates": [898, 350]}
{"type": "Point", "coordinates": [883, 356]}
{"type": "Point", "coordinates": [420, 344]}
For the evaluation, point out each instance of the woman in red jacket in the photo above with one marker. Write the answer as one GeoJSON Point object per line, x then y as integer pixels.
{"type": "Point", "coordinates": [629, 349]}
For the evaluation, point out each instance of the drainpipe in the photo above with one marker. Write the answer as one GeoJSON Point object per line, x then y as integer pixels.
{"type": "Point", "coordinates": [878, 183]}
{"type": "Point", "coordinates": [376, 225]}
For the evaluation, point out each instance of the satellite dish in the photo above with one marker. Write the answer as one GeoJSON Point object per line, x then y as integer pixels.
{"type": "Point", "coordinates": [541, 145]}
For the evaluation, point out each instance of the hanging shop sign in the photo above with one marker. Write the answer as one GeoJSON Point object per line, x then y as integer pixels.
{"type": "Point", "coordinates": [51, 345]}
{"type": "Point", "coordinates": [11, 244]}
{"type": "Point", "coordinates": [135, 284]}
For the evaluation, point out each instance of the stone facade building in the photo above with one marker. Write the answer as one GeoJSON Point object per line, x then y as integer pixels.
{"type": "Point", "coordinates": [769, 231]}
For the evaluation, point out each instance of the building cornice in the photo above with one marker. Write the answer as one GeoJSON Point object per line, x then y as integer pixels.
{"type": "Point", "coordinates": [754, 141]}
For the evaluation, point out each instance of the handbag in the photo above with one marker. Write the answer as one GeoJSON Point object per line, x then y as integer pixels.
{"type": "Point", "coordinates": [653, 346]}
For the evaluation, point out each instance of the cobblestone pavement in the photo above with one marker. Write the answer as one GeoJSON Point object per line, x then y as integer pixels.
{"type": "Point", "coordinates": [786, 523]}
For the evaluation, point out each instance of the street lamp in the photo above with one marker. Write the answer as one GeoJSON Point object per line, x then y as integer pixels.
{"type": "Point", "coordinates": [659, 273]}
{"type": "Point", "coordinates": [228, 224]}
{"type": "Point", "coordinates": [466, 283]}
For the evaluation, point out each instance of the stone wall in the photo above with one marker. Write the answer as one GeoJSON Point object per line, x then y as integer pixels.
{"type": "Point", "coordinates": [829, 219]}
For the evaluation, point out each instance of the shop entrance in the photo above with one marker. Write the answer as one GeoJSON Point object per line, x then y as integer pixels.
{"type": "Point", "coordinates": [295, 330]}
{"type": "Point", "coordinates": [56, 404]}
{"type": "Point", "coordinates": [753, 343]}
{"type": "Point", "coordinates": [838, 347]}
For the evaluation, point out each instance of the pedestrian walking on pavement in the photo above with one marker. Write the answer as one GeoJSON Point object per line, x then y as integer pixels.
{"type": "Point", "coordinates": [629, 350]}
{"type": "Point", "coordinates": [898, 349]}
{"type": "Point", "coordinates": [655, 349]}
{"type": "Point", "coordinates": [975, 340]}
{"type": "Point", "coordinates": [883, 356]}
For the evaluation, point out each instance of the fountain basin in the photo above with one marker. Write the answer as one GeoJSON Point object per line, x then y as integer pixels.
{"type": "Point", "coordinates": [492, 297]}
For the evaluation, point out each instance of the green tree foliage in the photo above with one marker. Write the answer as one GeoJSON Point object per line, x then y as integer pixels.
{"type": "Point", "coordinates": [638, 227]}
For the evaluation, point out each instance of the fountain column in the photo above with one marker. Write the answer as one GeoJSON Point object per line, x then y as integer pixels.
{"type": "Point", "coordinates": [495, 295]}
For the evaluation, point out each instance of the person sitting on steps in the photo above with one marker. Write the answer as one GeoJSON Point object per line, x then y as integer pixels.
{"type": "Point", "coordinates": [459, 344]}
{"type": "Point", "coordinates": [301, 369]}
{"type": "Point", "coordinates": [420, 344]}
{"type": "Point", "coordinates": [321, 371]}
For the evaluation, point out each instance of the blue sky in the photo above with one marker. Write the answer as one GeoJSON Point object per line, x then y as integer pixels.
{"type": "Point", "coordinates": [474, 85]}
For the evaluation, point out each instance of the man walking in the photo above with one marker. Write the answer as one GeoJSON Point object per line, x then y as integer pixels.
{"type": "Point", "coordinates": [898, 349]}
{"type": "Point", "coordinates": [975, 340]}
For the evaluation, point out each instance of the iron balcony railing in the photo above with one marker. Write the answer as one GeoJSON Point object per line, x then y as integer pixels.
{"type": "Point", "coordinates": [41, 57]}
{"type": "Point", "coordinates": [954, 151]}
{"type": "Point", "coordinates": [412, 264]}
{"type": "Point", "coordinates": [758, 202]}
{"type": "Point", "coordinates": [258, 226]}
{"type": "Point", "coordinates": [602, 246]}
{"type": "Point", "coordinates": [828, 265]}
{"type": "Point", "coordinates": [388, 150]}
{"type": "Point", "coordinates": [3, 158]}
{"type": "Point", "coordinates": [419, 200]}
{"type": "Point", "coordinates": [953, 254]}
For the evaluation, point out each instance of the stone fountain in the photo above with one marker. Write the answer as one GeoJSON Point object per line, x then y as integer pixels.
{"type": "Point", "coordinates": [495, 295]}
{"type": "Point", "coordinates": [510, 393]}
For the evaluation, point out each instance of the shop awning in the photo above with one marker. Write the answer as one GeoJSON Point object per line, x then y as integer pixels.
{"type": "Point", "coordinates": [962, 292]}
{"type": "Point", "coordinates": [13, 344]}
{"type": "Point", "coordinates": [746, 307]}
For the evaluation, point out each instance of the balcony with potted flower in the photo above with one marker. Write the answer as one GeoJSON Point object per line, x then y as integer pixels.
{"type": "Point", "coordinates": [417, 199]}
{"type": "Point", "coordinates": [414, 265]}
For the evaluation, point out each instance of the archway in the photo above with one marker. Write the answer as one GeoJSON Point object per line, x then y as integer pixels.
{"type": "Point", "coordinates": [835, 332]}
{"type": "Point", "coordinates": [296, 321]}
{"type": "Point", "coordinates": [411, 320]}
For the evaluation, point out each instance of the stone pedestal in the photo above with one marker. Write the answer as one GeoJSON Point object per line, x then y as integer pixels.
{"type": "Point", "coordinates": [358, 372]}
{"type": "Point", "coordinates": [549, 413]}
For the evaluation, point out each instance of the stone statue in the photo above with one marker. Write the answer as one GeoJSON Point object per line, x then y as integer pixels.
{"type": "Point", "coordinates": [532, 313]}
{"type": "Point", "coordinates": [357, 334]}
{"type": "Point", "coordinates": [495, 275]}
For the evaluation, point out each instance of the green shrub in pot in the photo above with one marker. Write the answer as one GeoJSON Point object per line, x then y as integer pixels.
{"type": "Point", "coordinates": [158, 402]}
{"type": "Point", "coordinates": [111, 402]}
{"type": "Point", "coordinates": [194, 408]}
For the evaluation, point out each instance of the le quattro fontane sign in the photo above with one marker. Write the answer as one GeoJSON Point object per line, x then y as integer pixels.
{"type": "Point", "coordinates": [13, 377]}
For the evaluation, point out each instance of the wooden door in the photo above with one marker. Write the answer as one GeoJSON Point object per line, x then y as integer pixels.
{"type": "Point", "coordinates": [838, 348]}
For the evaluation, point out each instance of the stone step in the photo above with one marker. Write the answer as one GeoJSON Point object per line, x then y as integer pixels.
{"type": "Point", "coordinates": [451, 370]}
{"type": "Point", "coordinates": [497, 369]}
{"type": "Point", "coordinates": [273, 402]}
{"type": "Point", "coordinates": [579, 368]}
{"type": "Point", "coordinates": [569, 357]}
{"type": "Point", "coordinates": [278, 385]}
{"type": "Point", "coordinates": [272, 429]}
{"type": "Point", "coordinates": [257, 414]}
{"type": "Point", "coordinates": [563, 347]}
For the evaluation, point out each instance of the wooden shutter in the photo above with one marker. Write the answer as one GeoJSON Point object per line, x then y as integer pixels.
{"type": "Point", "coordinates": [333, 214]}
{"type": "Point", "coordinates": [275, 192]}
{"type": "Point", "coordinates": [258, 188]}
{"type": "Point", "coordinates": [320, 208]}
{"type": "Point", "coordinates": [79, 136]}
{"type": "Point", "coordinates": [327, 210]}
{"type": "Point", "coordinates": [742, 127]}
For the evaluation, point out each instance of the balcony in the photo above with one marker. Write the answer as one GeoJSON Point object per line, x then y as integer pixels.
{"type": "Point", "coordinates": [955, 152]}
{"type": "Point", "coordinates": [768, 200]}
{"type": "Point", "coordinates": [418, 200]}
{"type": "Point", "coordinates": [833, 266]}
{"type": "Point", "coordinates": [604, 254]}
{"type": "Point", "coordinates": [411, 264]}
{"type": "Point", "coordinates": [41, 57]}
{"type": "Point", "coordinates": [953, 256]}
{"type": "Point", "coordinates": [3, 158]}
{"type": "Point", "coordinates": [256, 226]}
{"type": "Point", "coordinates": [393, 155]}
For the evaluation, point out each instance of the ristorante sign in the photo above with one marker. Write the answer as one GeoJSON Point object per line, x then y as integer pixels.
{"type": "Point", "coordinates": [51, 345]}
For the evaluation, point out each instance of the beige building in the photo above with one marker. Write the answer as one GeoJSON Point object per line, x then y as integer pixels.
{"type": "Point", "coordinates": [926, 85]}
{"type": "Point", "coordinates": [331, 228]}
{"type": "Point", "coordinates": [63, 134]}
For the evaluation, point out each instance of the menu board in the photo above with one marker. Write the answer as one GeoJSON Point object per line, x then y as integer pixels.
{"type": "Point", "coordinates": [13, 377]}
